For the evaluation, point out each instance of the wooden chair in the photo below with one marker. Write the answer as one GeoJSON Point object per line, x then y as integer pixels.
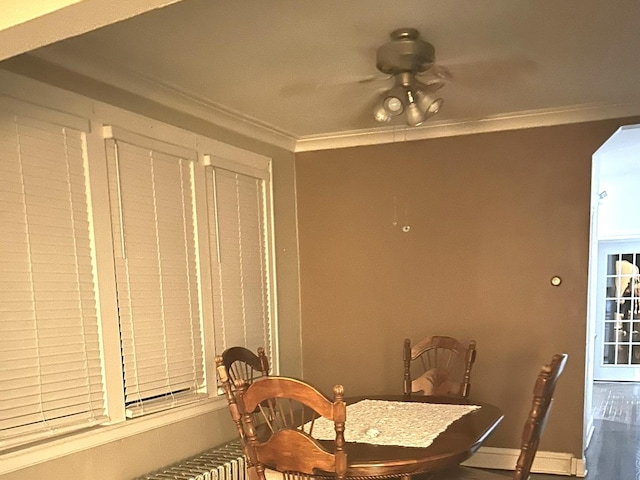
{"type": "Point", "coordinates": [239, 364]}
{"type": "Point", "coordinates": [285, 440]}
{"type": "Point", "coordinates": [242, 364]}
{"type": "Point", "coordinates": [438, 365]}
{"type": "Point", "coordinates": [533, 427]}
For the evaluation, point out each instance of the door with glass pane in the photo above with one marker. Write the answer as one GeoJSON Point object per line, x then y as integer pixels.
{"type": "Point", "coordinates": [618, 310]}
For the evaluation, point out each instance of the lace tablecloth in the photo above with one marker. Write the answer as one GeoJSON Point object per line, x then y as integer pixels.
{"type": "Point", "coordinates": [381, 422]}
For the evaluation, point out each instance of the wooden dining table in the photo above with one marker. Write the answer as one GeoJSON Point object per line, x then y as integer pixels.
{"type": "Point", "coordinates": [458, 442]}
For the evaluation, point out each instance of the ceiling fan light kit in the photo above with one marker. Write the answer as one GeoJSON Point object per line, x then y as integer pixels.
{"type": "Point", "coordinates": [405, 56]}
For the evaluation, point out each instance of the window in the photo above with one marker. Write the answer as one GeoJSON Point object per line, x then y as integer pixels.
{"type": "Point", "coordinates": [152, 211]}
{"type": "Point", "coordinates": [50, 363]}
{"type": "Point", "coordinates": [240, 257]}
{"type": "Point", "coordinates": [188, 253]}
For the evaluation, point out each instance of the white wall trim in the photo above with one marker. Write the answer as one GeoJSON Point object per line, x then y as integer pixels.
{"type": "Point", "coordinates": [166, 94]}
{"type": "Point", "coordinates": [553, 463]}
{"type": "Point", "coordinates": [589, 429]}
{"type": "Point", "coordinates": [514, 121]}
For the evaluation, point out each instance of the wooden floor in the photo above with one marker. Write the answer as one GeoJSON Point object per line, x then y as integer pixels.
{"type": "Point", "coordinates": [614, 450]}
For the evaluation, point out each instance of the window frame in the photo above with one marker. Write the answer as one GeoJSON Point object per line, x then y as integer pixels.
{"type": "Point", "coordinates": [257, 166]}
{"type": "Point", "coordinates": [100, 115]}
{"type": "Point", "coordinates": [150, 157]}
{"type": "Point", "coordinates": [53, 126]}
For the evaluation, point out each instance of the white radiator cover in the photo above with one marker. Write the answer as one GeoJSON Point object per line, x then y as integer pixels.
{"type": "Point", "coordinates": [225, 462]}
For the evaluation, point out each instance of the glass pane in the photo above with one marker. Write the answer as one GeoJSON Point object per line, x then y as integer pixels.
{"type": "Point", "coordinates": [623, 332]}
{"type": "Point", "coordinates": [609, 355]}
{"type": "Point", "coordinates": [609, 332]}
{"type": "Point", "coordinates": [623, 355]}
{"type": "Point", "coordinates": [633, 304]}
{"type": "Point", "coordinates": [635, 358]}
{"type": "Point", "coordinates": [611, 287]}
{"type": "Point", "coordinates": [629, 257]}
{"type": "Point", "coordinates": [635, 334]}
{"type": "Point", "coordinates": [625, 310]}
{"type": "Point", "coordinates": [611, 264]}
{"type": "Point", "coordinates": [611, 310]}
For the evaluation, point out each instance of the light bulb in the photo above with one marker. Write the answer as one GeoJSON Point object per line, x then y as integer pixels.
{"type": "Point", "coordinates": [415, 116]}
{"type": "Point", "coordinates": [393, 105]}
{"type": "Point", "coordinates": [435, 106]}
{"type": "Point", "coordinates": [381, 114]}
{"type": "Point", "coordinates": [429, 103]}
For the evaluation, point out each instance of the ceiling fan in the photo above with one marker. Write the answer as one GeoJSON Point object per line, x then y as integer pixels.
{"type": "Point", "coordinates": [405, 57]}
{"type": "Point", "coordinates": [409, 62]}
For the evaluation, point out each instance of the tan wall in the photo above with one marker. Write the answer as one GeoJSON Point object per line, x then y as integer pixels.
{"type": "Point", "coordinates": [133, 456]}
{"type": "Point", "coordinates": [492, 218]}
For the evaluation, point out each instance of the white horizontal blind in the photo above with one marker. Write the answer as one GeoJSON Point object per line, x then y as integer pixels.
{"type": "Point", "coordinates": [156, 276]}
{"type": "Point", "coordinates": [242, 311]}
{"type": "Point", "coordinates": [50, 362]}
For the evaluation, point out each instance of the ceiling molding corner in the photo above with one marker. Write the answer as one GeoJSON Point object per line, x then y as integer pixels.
{"type": "Point", "coordinates": [167, 95]}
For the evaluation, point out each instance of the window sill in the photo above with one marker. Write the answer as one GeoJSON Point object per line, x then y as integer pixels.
{"type": "Point", "coordinates": [76, 442]}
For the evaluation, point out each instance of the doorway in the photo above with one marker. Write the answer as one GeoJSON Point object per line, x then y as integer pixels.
{"type": "Point", "coordinates": [613, 324]}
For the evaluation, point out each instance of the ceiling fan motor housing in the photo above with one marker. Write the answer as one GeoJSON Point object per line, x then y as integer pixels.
{"type": "Point", "coordinates": [406, 52]}
{"type": "Point", "coordinates": [404, 57]}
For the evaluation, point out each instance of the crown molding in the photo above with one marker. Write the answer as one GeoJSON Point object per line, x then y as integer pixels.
{"type": "Point", "coordinates": [164, 94]}
{"type": "Point", "coordinates": [512, 121]}
{"type": "Point", "coordinates": [174, 97]}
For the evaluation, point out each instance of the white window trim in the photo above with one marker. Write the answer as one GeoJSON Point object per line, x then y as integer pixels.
{"type": "Point", "coordinates": [219, 154]}
{"type": "Point", "coordinates": [29, 96]}
{"type": "Point", "coordinates": [71, 192]}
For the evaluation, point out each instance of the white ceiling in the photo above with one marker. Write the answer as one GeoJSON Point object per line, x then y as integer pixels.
{"type": "Point", "coordinates": [292, 67]}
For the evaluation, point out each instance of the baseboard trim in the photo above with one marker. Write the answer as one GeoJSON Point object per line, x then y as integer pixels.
{"type": "Point", "coordinates": [589, 429]}
{"type": "Point", "coordinates": [553, 463]}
